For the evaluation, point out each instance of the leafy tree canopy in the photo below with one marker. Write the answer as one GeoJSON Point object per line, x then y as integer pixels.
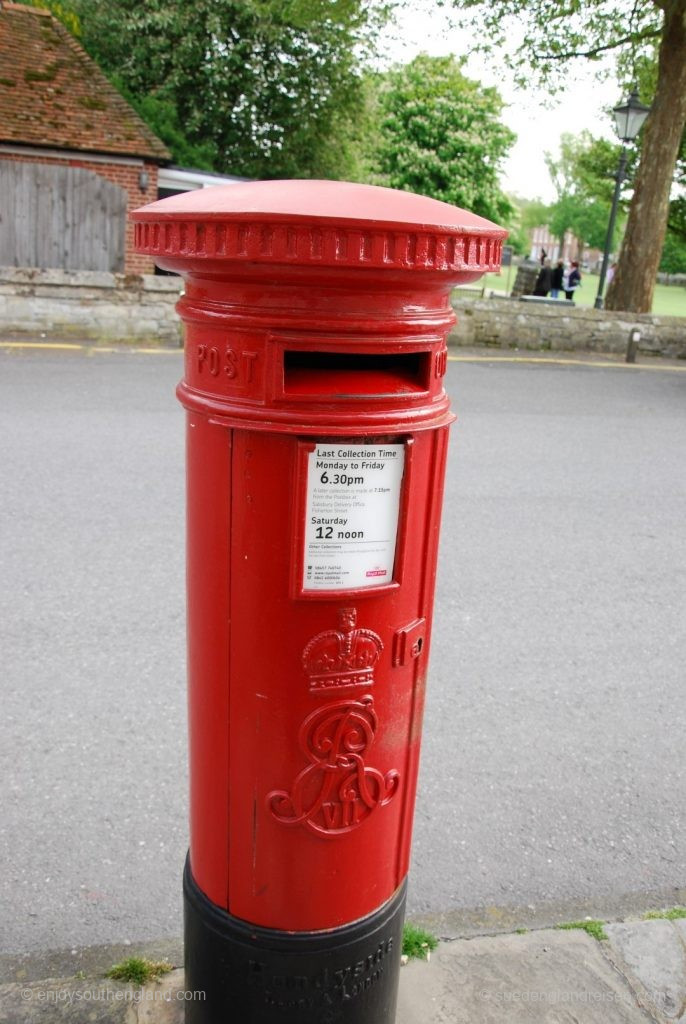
{"type": "Point", "coordinates": [677, 217]}
{"type": "Point", "coordinates": [265, 88]}
{"type": "Point", "coordinates": [528, 214]}
{"type": "Point", "coordinates": [673, 260]}
{"type": "Point", "coordinates": [583, 178]}
{"type": "Point", "coordinates": [532, 212]}
{"type": "Point", "coordinates": [441, 135]}
{"type": "Point", "coordinates": [548, 36]}
{"type": "Point", "coordinates": [586, 167]}
{"type": "Point", "coordinates": [62, 11]}
{"type": "Point", "coordinates": [586, 220]}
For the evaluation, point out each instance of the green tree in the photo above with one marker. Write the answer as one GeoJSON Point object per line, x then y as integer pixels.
{"type": "Point", "coordinates": [673, 260]}
{"type": "Point", "coordinates": [160, 113]}
{"type": "Point", "coordinates": [587, 220]}
{"type": "Point", "coordinates": [62, 11]}
{"type": "Point", "coordinates": [596, 170]}
{"type": "Point", "coordinates": [587, 166]}
{"type": "Point", "coordinates": [441, 136]}
{"type": "Point", "coordinates": [528, 214]}
{"type": "Point", "coordinates": [532, 212]}
{"type": "Point", "coordinates": [557, 33]}
{"type": "Point", "coordinates": [583, 190]}
{"type": "Point", "coordinates": [265, 88]}
{"type": "Point", "coordinates": [677, 217]}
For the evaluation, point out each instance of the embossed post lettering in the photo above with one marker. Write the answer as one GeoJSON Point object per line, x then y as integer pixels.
{"type": "Point", "coordinates": [236, 365]}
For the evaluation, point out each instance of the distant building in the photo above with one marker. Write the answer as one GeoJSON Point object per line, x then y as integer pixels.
{"type": "Point", "coordinates": [572, 249]}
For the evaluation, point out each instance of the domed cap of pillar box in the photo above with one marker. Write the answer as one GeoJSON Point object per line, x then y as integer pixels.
{"type": "Point", "coordinates": [310, 224]}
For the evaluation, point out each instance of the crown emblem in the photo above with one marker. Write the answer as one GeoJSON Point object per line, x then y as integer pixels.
{"type": "Point", "coordinates": [342, 658]}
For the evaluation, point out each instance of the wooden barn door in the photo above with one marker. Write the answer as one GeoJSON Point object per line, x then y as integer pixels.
{"type": "Point", "coordinates": [62, 217]}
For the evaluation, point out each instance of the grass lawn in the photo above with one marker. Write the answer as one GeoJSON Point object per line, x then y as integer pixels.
{"type": "Point", "coordinates": [667, 301]}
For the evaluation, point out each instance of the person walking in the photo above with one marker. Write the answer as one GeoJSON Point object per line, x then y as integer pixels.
{"type": "Point", "coordinates": [556, 282]}
{"type": "Point", "coordinates": [544, 280]}
{"type": "Point", "coordinates": [573, 281]}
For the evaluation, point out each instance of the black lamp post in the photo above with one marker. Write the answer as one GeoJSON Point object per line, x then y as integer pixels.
{"type": "Point", "coordinates": [629, 118]}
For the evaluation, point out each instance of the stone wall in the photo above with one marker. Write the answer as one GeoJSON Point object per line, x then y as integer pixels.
{"type": "Point", "coordinates": [103, 307]}
{"type": "Point", "coordinates": [511, 323]}
{"type": "Point", "coordinates": [672, 279]}
{"type": "Point", "coordinates": [89, 305]}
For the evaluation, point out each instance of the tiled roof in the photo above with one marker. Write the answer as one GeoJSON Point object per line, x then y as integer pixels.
{"type": "Point", "coordinates": [53, 94]}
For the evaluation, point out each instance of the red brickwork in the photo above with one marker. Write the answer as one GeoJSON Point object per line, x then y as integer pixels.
{"type": "Point", "coordinates": [127, 177]}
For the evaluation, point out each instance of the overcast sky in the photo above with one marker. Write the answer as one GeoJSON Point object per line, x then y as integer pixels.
{"type": "Point", "coordinates": [538, 126]}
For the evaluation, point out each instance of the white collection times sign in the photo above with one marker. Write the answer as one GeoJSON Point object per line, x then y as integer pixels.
{"type": "Point", "coordinates": [351, 524]}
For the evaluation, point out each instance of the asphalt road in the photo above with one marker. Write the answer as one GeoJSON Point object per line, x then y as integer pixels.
{"type": "Point", "coordinates": [553, 768]}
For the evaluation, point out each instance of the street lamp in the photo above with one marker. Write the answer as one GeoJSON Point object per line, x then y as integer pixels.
{"type": "Point", "coordinates": [629, 118]}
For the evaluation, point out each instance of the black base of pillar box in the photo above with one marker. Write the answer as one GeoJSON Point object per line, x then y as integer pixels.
{"type": "Point", "coordinates": [254, 975]}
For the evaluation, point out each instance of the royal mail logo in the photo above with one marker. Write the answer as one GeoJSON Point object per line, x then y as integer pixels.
{"type": "Point", "coordinates": [376, 572]}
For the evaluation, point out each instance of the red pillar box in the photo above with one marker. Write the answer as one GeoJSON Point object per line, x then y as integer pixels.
{"type": "Point", "coordinates": [316, 318]}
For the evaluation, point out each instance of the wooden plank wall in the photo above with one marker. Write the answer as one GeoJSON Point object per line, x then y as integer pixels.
{"type": "Point", "coordinates": [54, 216]}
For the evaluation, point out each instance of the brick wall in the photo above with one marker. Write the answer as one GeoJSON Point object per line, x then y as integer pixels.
{"type": "Point", "coordinates": [122, 174]}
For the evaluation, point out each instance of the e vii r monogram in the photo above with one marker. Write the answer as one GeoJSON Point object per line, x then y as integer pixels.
{"type": "Point", "coordinates": [336, 791]}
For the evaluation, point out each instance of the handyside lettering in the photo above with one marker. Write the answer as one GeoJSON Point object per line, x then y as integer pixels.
{"type": "Point", "coordinates": [300, 991]}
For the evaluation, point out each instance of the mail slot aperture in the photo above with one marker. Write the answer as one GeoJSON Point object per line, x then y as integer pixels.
{"type": "Point", "coordinates": [355, 374]}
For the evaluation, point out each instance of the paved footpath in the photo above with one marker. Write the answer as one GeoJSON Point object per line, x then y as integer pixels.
{"type": "Point", "coordinates": [549, 976]}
